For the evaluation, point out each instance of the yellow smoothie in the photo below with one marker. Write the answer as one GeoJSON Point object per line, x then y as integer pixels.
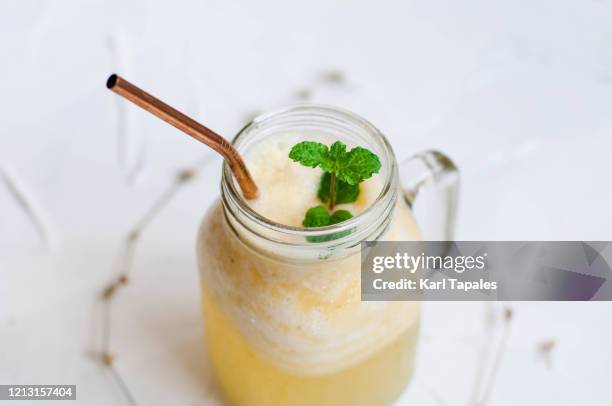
{"type": "Point", "coordinates": [287, 332]}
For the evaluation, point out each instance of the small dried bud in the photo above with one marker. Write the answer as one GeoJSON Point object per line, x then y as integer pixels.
{"type": "Point", "coordinates": [545, 351]}
{"type": "Point", "coordinates": [547, 346]}
{"type": "Point", "coordinates": [333, 76]}
{"type": "Point", "coordinates": [123, 279]}
{"type": "Point", "coordinates": [108, 292]}
{"type": "Point", "coordinates": [133, 235]}
{"type": "Point", "coordinates": [186, 175]}
{"type": "Point", "coordinates": [107, 358]}
{"type": "Point", "coordinates": [304, 94]}
{"type": "Point", "coordinates": [508, 313]}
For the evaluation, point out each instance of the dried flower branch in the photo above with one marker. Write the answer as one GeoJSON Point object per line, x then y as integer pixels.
{"type": "Point", "coordinates": [122, 385]}
{"type": "Point", "coordinates": [26, 203]}
{"type": "Point", "coordinates": [485, 349]}
{"type": "Point", "coordinates": [508, 314]}
{"type": "Point", "coordinates": [125, 261]}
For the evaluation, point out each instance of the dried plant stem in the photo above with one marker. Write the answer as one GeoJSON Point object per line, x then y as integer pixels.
{"type": "Point", "coordinates": [122, 385]}
{"type": "Point", "coordinates": [498, 358]}
{"type": "Point", "coordinates": [158, 205]}
{"type": "Point", "coordinates": [106, 323]}
{"type": "Point", "coordinates": [485, 349]}
{"type": "Point", "coordinates": [480, 373]}
{"type": "Point", "coordinates": [26, 204]}
{"type": "Point", "coordinates": [124, 267]}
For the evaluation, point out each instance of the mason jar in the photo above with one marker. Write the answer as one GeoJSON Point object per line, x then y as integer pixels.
{"type": "Point", "coordinates": [284, 319]}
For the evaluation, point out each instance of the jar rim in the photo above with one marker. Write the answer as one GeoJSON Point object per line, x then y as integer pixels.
{"type": "Point", "coordinates": [231, 193]}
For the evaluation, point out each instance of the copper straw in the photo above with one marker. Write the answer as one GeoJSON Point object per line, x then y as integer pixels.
{"type": "Point", "coordinates": [174, 117]}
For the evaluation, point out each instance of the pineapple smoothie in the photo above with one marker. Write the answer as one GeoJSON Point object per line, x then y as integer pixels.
{"type": "Point", "coordinates": [287, 331]}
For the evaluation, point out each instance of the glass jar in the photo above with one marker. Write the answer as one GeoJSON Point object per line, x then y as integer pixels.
{"type": "Point", "coordinates": [284, 321]}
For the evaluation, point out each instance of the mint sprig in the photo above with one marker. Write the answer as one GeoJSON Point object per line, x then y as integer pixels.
{"type": "Point", "coordinates": [350, 167]}
{"type": "Point", "coordinates": [343, 171]}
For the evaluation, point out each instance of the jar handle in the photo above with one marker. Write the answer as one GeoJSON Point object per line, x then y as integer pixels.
{"type": "Point", "coordinates": [430, 182]}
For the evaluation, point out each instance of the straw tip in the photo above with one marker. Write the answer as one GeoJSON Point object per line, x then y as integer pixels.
{"type": "Point", "coordinates": [111, 81]}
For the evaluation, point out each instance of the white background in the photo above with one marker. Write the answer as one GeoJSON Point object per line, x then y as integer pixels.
{"type": "Point", "coordinates": [518, 93]}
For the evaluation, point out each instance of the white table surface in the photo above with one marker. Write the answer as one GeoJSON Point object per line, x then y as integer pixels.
{"type": "Point", "coordinates": [519, 94]}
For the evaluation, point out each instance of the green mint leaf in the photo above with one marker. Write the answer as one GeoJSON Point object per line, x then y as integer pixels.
{"type": "Point", "coordinates": [344, 192]}
{"type": "Point", "coordinates": [337, 151]}
{"type": "Point", "coordinates": [309, 153]}
{"type": "Point", "coordinates": [359, 164]}
{"type": "Point", "coordinates": [317, 216]}
{"type": "Point", "coordinates": [339, 216]}
{"type": "Point", "coordinates": [351, 167]}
